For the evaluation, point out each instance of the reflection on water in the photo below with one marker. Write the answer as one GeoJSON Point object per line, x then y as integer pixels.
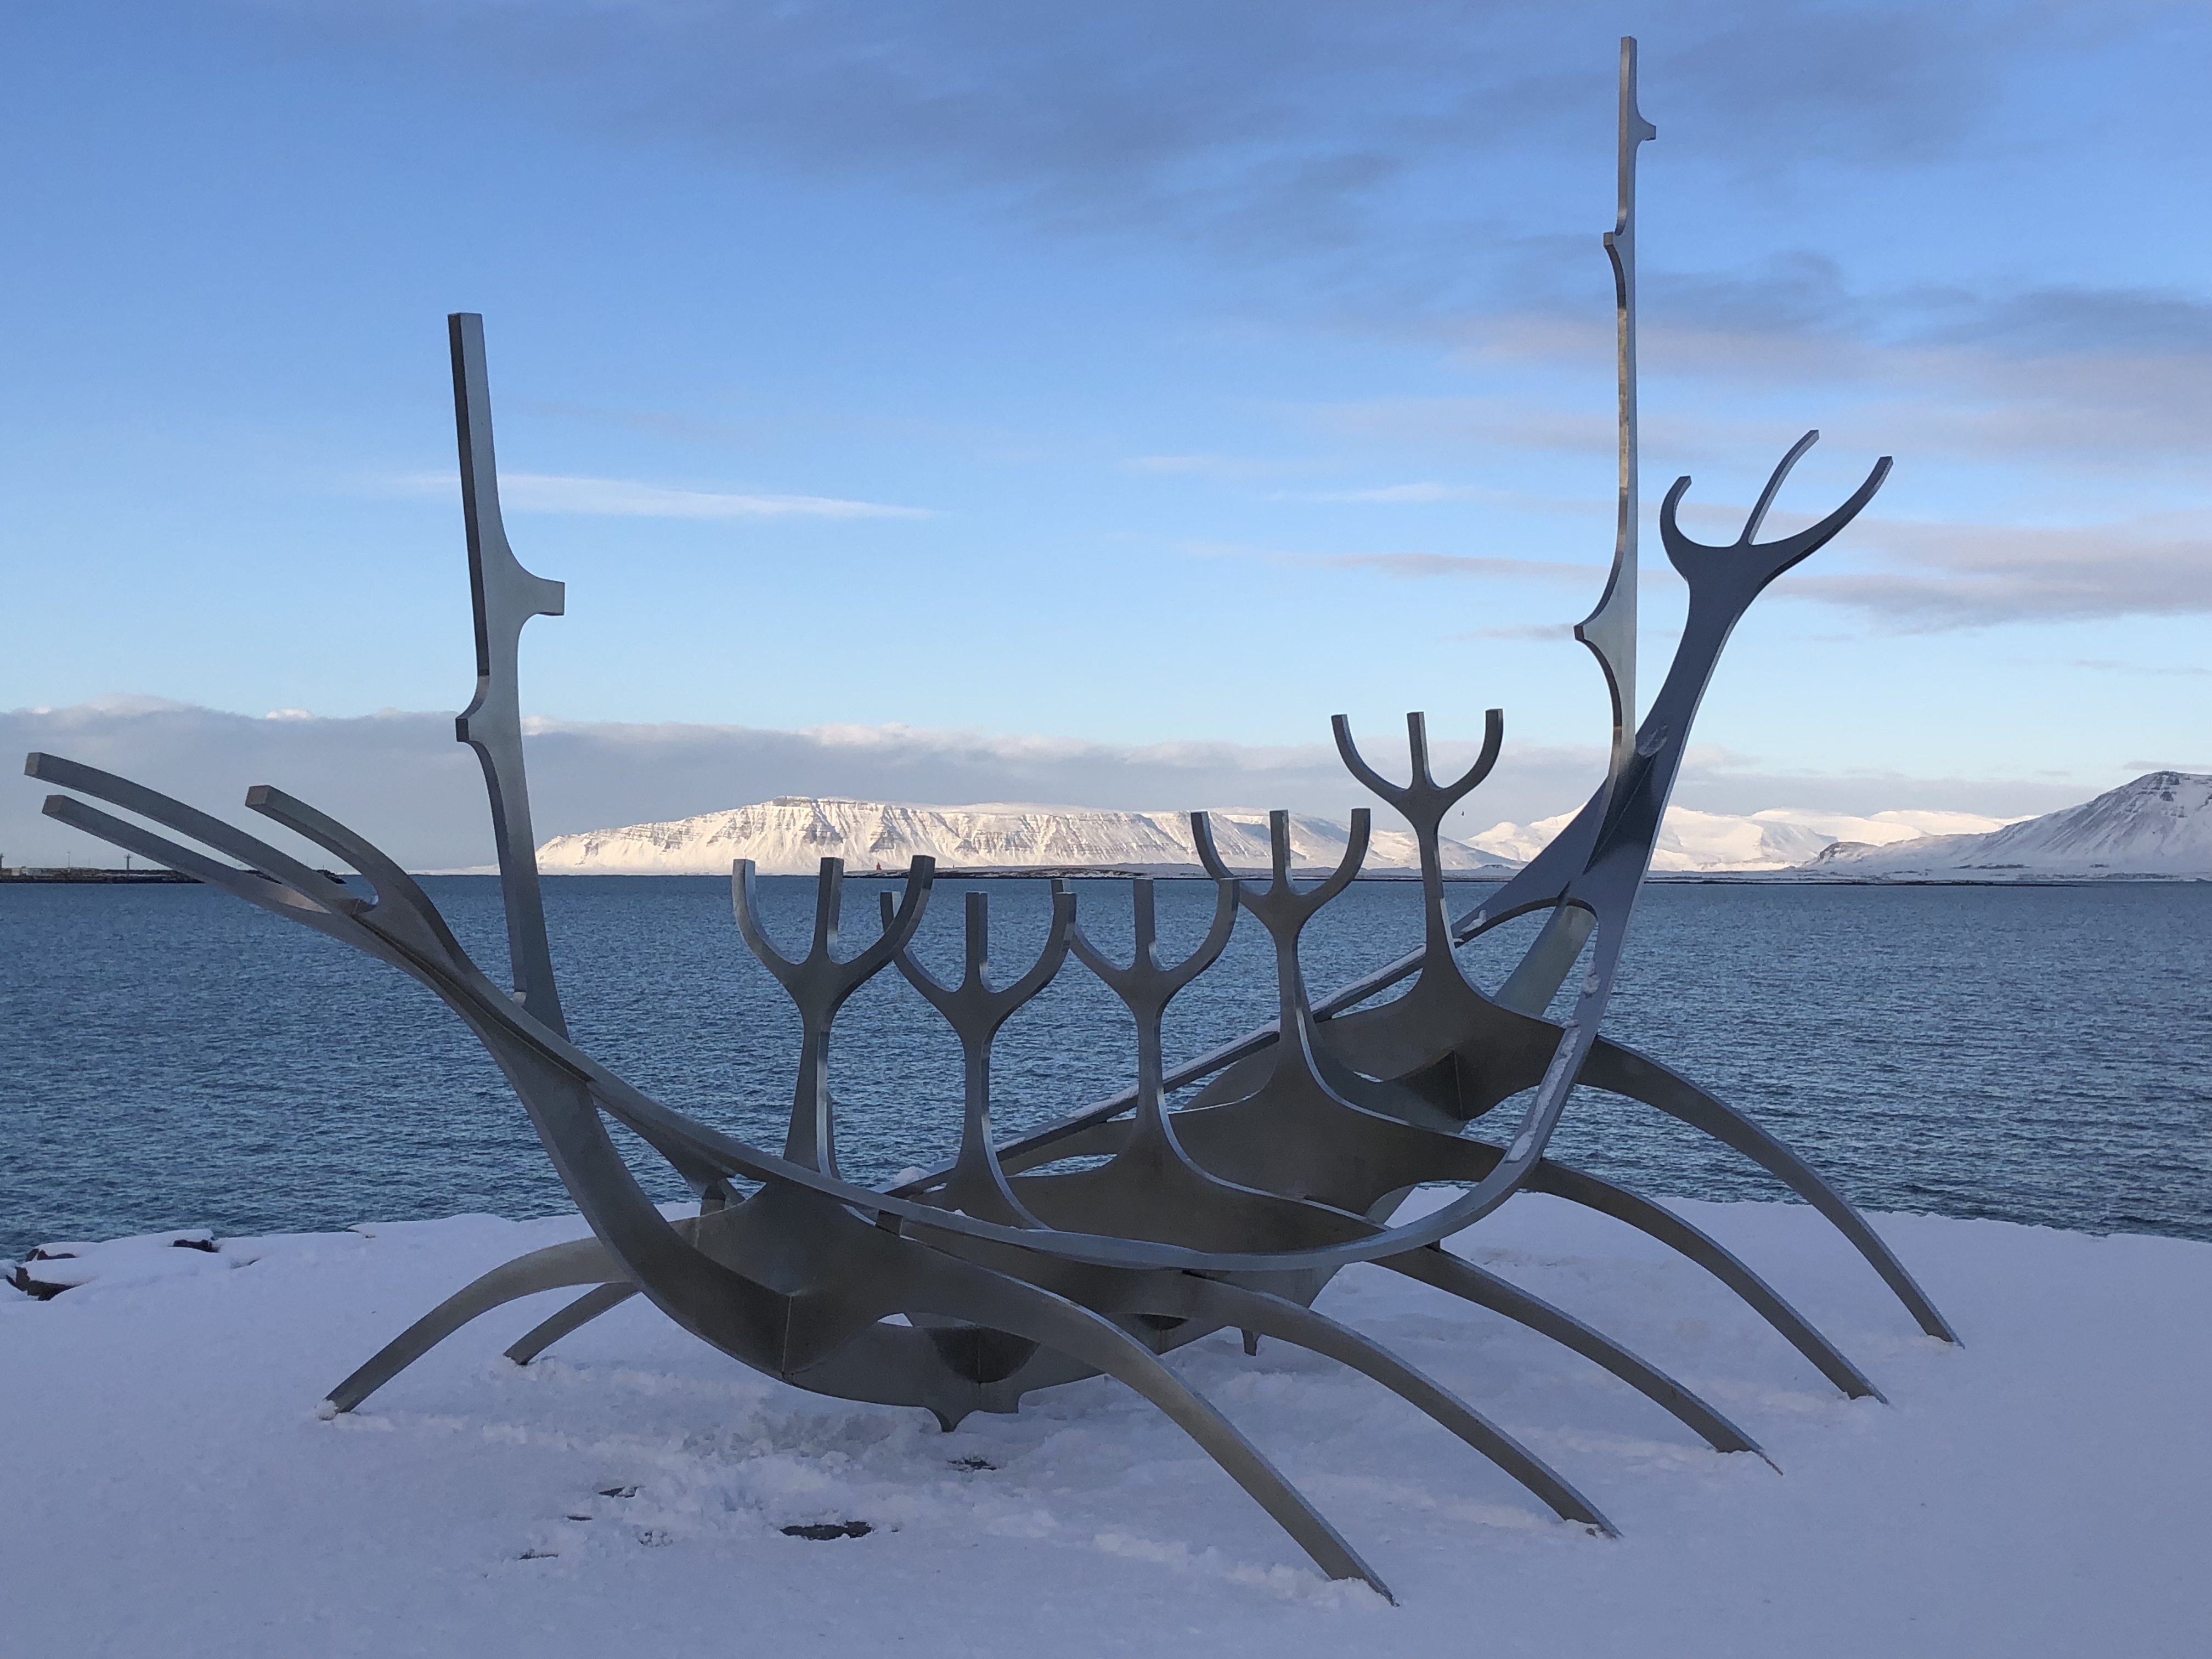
{"type": "Point", "coordinates": [169, 1057]}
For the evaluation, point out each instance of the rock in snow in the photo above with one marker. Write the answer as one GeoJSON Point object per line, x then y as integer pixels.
{"type": "Point", "coordinates": [791, 834]}
{"type": "Point", "coordinates": [2037, 1493]}
{"type": "Point", "coordinates": [2158, 825]}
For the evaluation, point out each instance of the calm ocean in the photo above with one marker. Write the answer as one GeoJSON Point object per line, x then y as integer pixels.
{"type": "Point", "coordinates": [170, 1058]}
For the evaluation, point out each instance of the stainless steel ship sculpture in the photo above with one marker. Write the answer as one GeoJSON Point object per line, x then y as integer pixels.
{"type": "Point", "coordinates": [1126, 1230]}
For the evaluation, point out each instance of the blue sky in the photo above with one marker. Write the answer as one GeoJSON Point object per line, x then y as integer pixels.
{"type": "Point", "coordinates": [1119, 377]}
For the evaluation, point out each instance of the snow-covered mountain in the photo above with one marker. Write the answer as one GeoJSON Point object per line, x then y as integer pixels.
{"type": "Point", "coordinates": [792, 834]}
{"type": "Point", "coordinates": [2158, 825]}
{"type": "Point", "coordinates": [1779, 838]}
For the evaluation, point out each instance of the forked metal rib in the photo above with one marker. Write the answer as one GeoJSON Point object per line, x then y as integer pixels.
{"type": "Point", "coordinates": [819, 984]}
{"type": "Point", "coordinates": [1147, 986]}
{"type": "Point", "coordinates": [975, 1011]}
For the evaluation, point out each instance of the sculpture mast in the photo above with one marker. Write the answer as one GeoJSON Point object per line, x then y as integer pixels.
{"type": "Point", "coordinates": [506, 597]}
{"type": "Point", "coordinates": [1609, 631]}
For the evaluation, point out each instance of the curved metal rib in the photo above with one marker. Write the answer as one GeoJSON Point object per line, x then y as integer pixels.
{"type": "Point", "coordinates": [1258, 1313]}
{"type": "Point", "coordinates": [1457, 1276]}
{"type": "Point", "coordinates": [1625, 1072]}
{"type": "Point", "coordinates": [582, 1311]}
{"type": "Point", "coordinates": [995, 1302]}
{"type": "Point", "coordinates": [581, 1261]}
{"type": "Point", "coordinates": [1684, 1239]}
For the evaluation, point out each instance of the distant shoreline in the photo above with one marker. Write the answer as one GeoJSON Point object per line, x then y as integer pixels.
{"type": "Point", "coordinates": [1670, 878]}
{"type": "Point", "coordinates": [85, 876]}
{"type": "Point", "coordinates": [82, 875]}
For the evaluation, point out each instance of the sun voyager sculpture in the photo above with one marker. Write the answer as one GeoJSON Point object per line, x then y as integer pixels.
{"type": "Point", "coordinates": [1127, 1229]}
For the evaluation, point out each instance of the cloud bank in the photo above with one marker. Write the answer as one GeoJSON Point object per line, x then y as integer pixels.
{"type": "Point", "coordinates": [1946, 576]}
{"type": "Point", "coordinates": [400, 779]}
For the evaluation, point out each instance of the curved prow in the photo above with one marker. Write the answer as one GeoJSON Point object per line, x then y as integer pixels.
{"type": "Point", "coordinates": [1698, 561]}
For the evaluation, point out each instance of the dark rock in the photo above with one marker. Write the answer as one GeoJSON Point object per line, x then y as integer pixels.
{"type": "Point", "coordinates": [823, 1531]}
{"type": "Point", "coordinates": [22, 1280]}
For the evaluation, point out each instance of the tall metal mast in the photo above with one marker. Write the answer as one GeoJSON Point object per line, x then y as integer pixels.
{"type": "Point", "coordinates": [1610, 630]}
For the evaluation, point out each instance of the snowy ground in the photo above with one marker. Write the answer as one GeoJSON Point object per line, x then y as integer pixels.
{"type": "Point", "coordinates": [169, 1491]}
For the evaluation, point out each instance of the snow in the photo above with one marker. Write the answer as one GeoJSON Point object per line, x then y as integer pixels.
{"type": "Point", "coordinates": [2160, 824]}
{"type": "Point", "coordinates": [791, 834]}
{"type": "Point", "coordinates": [53, 1269]}
{"type": "Point", "coordinates": [2038, 1491]}
{"type": "Point", "coordinates": [1777, 838]}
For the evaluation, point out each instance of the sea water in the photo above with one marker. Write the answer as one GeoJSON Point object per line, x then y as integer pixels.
{"type": "Point", "coordinates": [172, 1058]}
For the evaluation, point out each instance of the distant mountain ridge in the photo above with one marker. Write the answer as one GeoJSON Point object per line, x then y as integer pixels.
{"type": "Point", "coordinates": [1778, 839]}
{"type": "Point", "coordinates": [2160, 825]}
{"type": "Point", "coordinates": [791, 834]}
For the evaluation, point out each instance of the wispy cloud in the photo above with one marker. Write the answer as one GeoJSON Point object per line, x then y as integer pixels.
{"type": "Point", "coordinates": [1394, 494]}
{"type": "Point", "coordinates": [1543, 633]}
{"type": "Point", "coordinates": [1418, 566]}
{"type": "Point", "coordinates": [400, 779]}
{"type": "Point", "coordinates": [621, 498]}
{"type": "Point", "coordinates": [1948, 576]}
{"type": "Point", "coordinates": [1929, 577]}
{"type": "Point", "coordinates": [1251, 124]}
{"type": "Point", "coordinates": [1455, 422]}
{"type": "Point", "coordinates": [2110, 665]}
{"type": "Point", "coordinates": [1226, 467]}
{"type": "Point", "coordinates": [1412, 566]}
{"type": "Point", "coordinates": [625, 498]}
